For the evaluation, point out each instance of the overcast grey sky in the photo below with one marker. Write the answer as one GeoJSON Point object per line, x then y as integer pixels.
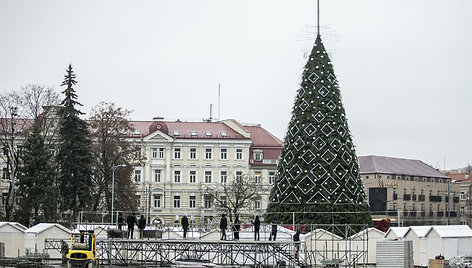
{"type": "Point", "coordinates": [404, 67]}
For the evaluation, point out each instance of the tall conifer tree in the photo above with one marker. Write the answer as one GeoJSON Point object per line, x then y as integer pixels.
{"type": "Point", "coordinates": [318, 173]}
{"type": "Point", "coordinates": [36, 180]}
{"type": "Point", "coordinates": [74, 154]}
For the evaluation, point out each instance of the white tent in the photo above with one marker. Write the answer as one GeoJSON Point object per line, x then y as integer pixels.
{"type": "Point", "coordinates": [36, 236]}
{"type": "Point", "coordinates": [417, 234]}
{"type": "Point", "coordinates": [366, 240]}
{"type": "Point", "coordinates": [12, 236]}
{"type": "Point", "coordinates": [326, 245]}
{"type": "Point", "coordinates": [449, 241]}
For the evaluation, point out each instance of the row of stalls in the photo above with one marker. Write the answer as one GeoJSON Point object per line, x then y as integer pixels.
{"type": "Point", "coordinates": [319, 245]}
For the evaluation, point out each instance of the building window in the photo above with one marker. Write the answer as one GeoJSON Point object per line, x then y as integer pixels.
{"type": "Point", "coordinates": [176, 201]}
{"type": "Point", "coordinates": [161, 153]}
{"type": "Point", "coordinates": [154, 153]}
{"type": "Point", "coordinates": [177, 176]}
{"type": "Point", "coordinates": [223, 176]}
{"type": "Point", "coordinates": [208, 176]}
{"type": "Point", "coordinates": [193, 153]}
{"type": "Point", "coordinates": [239, 153]}
{"type": "Point", "coordinates": [224, 153]}
{"type": "Point", "coordinates": [257, 177]}
{"type": "Point", "coordinates": [223, 200]}
{"type": "Point", "coordinates": [208, 155]}
{"type": "Point", "coordinates": [138, 201]}
{"type": "Point", "coordinates": [192, 176]}
{"type": "Point", "coordinates": [271, 177]}
{"type": "Point", "coordinates": [137, 175]}
{"type": "Point", "coordinates": [257, 204]}
{"type": "Point", "coordinates": [137, 152]}
{"type": "Point", "coordinates": [207, 201]}
{"type": "Point", "coordinates": [177, 153]}
{"type": "Point", "coordinates": [239, 175]}
{"type": "Point", "coordinates": [157, 201]}
{"type": "Point", "coordinates": [192, 202]}
{"type": "Point", "coordinates": [462, 196]}
{"type": "Point", "coordinates": [157, 175]}
{"type": "Point", "coordinates": [257, 156]}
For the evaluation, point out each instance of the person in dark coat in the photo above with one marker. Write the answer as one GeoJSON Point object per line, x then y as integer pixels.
{"type": "Point", "coordinates": [120, 220]}
{"type": "Point", "coordinates": [185, 224]}
{"type": "Point", "coordinates": [223, 226]}
{"type": "Point", "coordinates": [131, 221]}
{"type": "Point", "coordinates": [296, 240]}
{"type": "Point", "coordinates": [141, 226]}
{"type": "Point", "coordinates": [273, 233]}
{"type": "Point", "coordinates": [257, 227]}
{"type": "Point", "coordinates": [236, 227]}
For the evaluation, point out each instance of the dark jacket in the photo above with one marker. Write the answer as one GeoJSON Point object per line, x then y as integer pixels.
{"type": "Point", "coordinates": [131, 220]}
{"type": "Point", "coordinates": [184, 222]}
{"type": "Point", "coordinates": [142, 223]}
{"type": "Point", "coordinates": [223, 223]}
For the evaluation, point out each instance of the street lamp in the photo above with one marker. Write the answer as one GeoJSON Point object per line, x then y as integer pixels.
{"type": "Point", "coordinates": [113, 187]}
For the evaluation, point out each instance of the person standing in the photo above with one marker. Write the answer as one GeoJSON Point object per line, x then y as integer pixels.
{"type": "Point", "coordinates": [223, 226]}
{"type": "Point", "coordinates": [131, 221]}
{"type": "Point", "coordinates": [257, 227]}
{"type": "Point", "coordinates": [141, 226]}
{"type": "Point", "coordinates": [236, 227]}
{"type": "Point", "coordinates": [296, 241]}
{"type": "Point", "coordinates": [120, 220]}
{"type": "Point", "coordinates": [273, 233]}
{"type": "Point", "coordinates": [185, 224]}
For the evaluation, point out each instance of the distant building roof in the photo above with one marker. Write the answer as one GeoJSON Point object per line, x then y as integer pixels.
{"type": "Point", "coordinates": [399, 166]}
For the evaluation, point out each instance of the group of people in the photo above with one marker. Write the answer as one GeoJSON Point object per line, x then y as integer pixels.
{"type": "Point", "coordinates": [131, 221]}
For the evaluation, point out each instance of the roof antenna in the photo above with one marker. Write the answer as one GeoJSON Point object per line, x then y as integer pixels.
{"type": "Point", "coordinates": [209, 120]}
{"type": "Point", "coordinates": [219, 101]}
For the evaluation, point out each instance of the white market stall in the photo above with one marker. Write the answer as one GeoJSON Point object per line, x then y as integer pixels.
{"type": "Point", "coordinates": [36, 236]}
{"type": "Point", "coordinates": [12, 236]}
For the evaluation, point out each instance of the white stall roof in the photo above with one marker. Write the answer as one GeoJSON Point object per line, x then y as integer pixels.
{"type": "Point", "coordinates": [16, 225]}
{"type": "Point", "coordinates": [368, 230]}
{"type": "Point", "coordinates": [445, 231]}
{"type": "Point", "coordinates": [420, 231]}
{"type": "Point", "coordinates": [397, 232]}
{"type": "Point", "coordinates": [39, 228]}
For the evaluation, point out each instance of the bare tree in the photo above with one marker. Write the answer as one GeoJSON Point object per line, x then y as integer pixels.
{"type": "Point", "coordinates": [237, 195]}
{"type": "Point", "coordinates": [110, 127]}
{"type": "Point", "coordinates": [18, 110]}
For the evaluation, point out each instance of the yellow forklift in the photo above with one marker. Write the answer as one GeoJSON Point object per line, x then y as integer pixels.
{"type": "Point", "coordinates": [83, 251]}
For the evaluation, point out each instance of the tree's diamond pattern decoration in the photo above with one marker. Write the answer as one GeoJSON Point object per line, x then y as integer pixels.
{"type": "Point", "coordinates": [331, 105]}
{"type": "Point", "coordinates": [318, 198]}
{"type": "Point", "coordinates": [340, 171]}
{"type": "Point", "coordinates": [306, 184]}
{"type": "Point", "coordinates": [318, 171]}
{"type": "Point", "coordinates": [291, 199]}
{"type": "Point", "coordinates": [323, 91]}
{"type": "Point", "coordinates": [295, 171]}
{"type": "Point", "coordinates": [331, 78]}
{"type": "Point", "coordinates": [301, 92]}
{"type": "Point", "coordinates": [294, 130]}
{"type": "Point", "coordinates": [346, 157]}
{"type": "Point", "coordinates": [299, 143]}
{"type": "Point", "coordinates": [328, 157]}
{"type": "Point", "coordinates": [327, 129]}
{"type": "Point", "coordinates": [336, 144]}
{"type": "Point", "coordinates": [289, 157]}
{"type": "Point", "coordinates": [343, 198]}
{"type": "Point", "coordinates": [319, 143]}
{"type": "Point", "coordinates": [304, 105]}
{"type": "Point", "coordinates": [313, 77]}
{"type": "Point", "coordinates": [330, 185]}
{"type": "Point", "coordinates": [310, 129]}
{"type": "Point", "coordinates": [319, 116]}
{"type": "Point", "coordinates": [342, 131]}
{"type": "Point", "coordinates": [308, 156]}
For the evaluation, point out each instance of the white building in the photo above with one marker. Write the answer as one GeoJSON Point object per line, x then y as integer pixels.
{"type": "Point", "coordinates": [12, 236]}
{"type": "Point", "coordinates": [36, 236]}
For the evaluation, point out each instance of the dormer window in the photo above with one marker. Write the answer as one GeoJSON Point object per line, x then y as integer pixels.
{"type": "Point", "coordinates": [257, 155]}
{"type": "Point", "coordinates": [176, 133]}
{"type": "Point", "coordinates": [193, 133]}
{"type": "Point", "coordinates": [224, 134]}
{"type": "Point", "coordinates": [208, 133]}
{"type": "Point", "coordinates": [137, 132]}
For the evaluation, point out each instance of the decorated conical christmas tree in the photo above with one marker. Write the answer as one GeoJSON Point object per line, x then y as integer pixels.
{"type": "Point", "coordinates": [318, 179]}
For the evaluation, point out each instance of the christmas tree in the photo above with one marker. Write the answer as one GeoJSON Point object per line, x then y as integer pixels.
{"type": "Point", "coordinates": [318, 179]}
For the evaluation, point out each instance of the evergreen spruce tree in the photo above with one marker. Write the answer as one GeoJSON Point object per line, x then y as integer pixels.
{"type": "Point", "coordinates": [74, 155]}
{"type": "Point", "coordinates": [36, 180]}
{"type": "Point", "coordinates": [318, 172]}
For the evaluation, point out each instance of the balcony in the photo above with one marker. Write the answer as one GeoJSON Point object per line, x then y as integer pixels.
{"type": "Point", "coordinates": [452, 214]}
{"type": "Point", "coordinates": [392, 212]}
{"type": "Point", "coordinates": [421, 197]}
{"type": "Point", "coordinates": [455, 199]}
{"type": "Point", "coordinates": [407, 197]}
{"type": "Point", "coordinates": [440, 213]}
{"type": "Point", "coordinates": [435, 198]}
{"type": "Point", "coordinates": [413, 214]}
{"type": "Point", "coordinates": [413, 197]}
{"type": "Point", "coordinates": [405, 213]}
